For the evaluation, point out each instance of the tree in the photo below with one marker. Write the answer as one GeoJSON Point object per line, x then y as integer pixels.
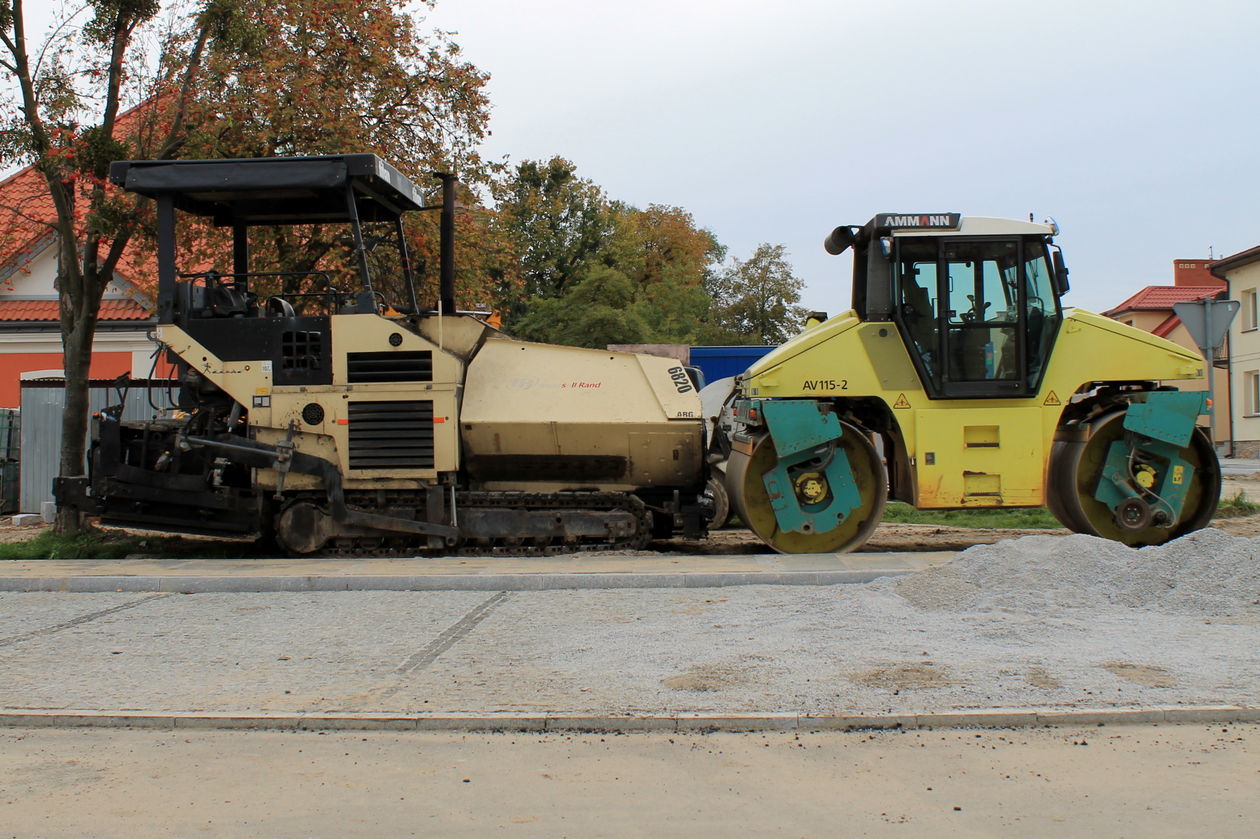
{"type": "Point", "coordinates": [67, 121]}
{"type": "Point", "coordinates": [754, 301]}
{"type": "Point", "coordinates": [563, 229]}
{"type": "Point", "coordinates": [304, 77]}
{"type": "Point", "coordinates": [230, 78]}
{"type": "Point", "coordinates": [595, 312]}
{"type": "Point", "coordinates": [557, 223]}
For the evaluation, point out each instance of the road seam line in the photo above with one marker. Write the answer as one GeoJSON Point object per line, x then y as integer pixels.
{"type": "Point", "coordinates": [79, 621]}
{"type": "Point", "coordinates": [451, 636]}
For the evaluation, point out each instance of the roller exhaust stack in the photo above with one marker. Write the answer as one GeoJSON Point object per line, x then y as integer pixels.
{"type": "Point", "coordinates": [839, 240]}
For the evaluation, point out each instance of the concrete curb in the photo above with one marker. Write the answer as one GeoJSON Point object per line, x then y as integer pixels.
{"type": "Point", "coordinates": [682, 723]}
{"type": "Point", "coordinates": [191, 584]}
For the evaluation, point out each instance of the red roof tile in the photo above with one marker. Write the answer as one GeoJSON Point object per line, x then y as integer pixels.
{"type": "Point", "coordinates": [1162, 298]}
{"type": "Point", "coordinates": [1165, 329]}
{"type": "Point", "coordinates": [27, 215]}
{"type": "Point", "coordinates": [46, 310]}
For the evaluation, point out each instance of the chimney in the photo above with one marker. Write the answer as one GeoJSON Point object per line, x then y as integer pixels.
{"type": "Point", "coordinates": [1195, 272]}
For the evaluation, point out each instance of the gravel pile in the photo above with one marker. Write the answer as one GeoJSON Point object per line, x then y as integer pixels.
{"type": "Point", "coordinates": [1207, 573]}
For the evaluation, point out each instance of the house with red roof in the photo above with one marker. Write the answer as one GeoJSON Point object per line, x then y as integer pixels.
{"type": "Point", "coordinates": [1151, 310]}
{"type": "Point", "coordinates": [30, 330]}
{"type": "Point", "coordinates": [1241, 273]}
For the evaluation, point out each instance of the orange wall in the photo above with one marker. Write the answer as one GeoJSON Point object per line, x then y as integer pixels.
{"type": "Point", "coordinates": [105, 365]}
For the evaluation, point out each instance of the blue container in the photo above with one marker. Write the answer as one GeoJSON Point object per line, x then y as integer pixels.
{"type": "Point", "coordinates": [720, 362]}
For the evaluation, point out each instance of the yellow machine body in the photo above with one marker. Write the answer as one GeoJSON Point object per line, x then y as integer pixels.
{"type": "Point", "coordinates": [965, 452]}
{"type": "Point", "coordinates": [958, 380]}
{"type": "Point", "coordinates": [509, 411]}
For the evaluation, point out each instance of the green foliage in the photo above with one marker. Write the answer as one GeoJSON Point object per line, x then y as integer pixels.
{"type": "Point", "coordinates": [673, 312]}
{"type": "Point", "coordinates": [754, 301]}
{"type": "Point", "coordinates": [595, 312]}
{"type": "Point", "coordinates": [109, 16]}
{"type": "Point", "coordinates": [558, 224]}
{"type": "Point", "coordinates": [997, 517]}
{"type": "Point", "coordinates": [95, 150]}
{"type": "Point", "coordinates": [566, 237]}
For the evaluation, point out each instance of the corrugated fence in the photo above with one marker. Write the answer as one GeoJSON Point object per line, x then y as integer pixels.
{"type": "Point", "coordinates": [43, 403]}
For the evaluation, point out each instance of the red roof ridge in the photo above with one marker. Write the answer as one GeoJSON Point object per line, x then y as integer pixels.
{"type": "Point", "coordinates": [1165, 329]}
{"type": "Point", "coordinates": [45, 311]}
{"type": "Point", "coordinates": [1162, 297]}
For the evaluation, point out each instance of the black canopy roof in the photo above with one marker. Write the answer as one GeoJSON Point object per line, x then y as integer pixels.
{"type": "Point", "coordinates": [274, 190]}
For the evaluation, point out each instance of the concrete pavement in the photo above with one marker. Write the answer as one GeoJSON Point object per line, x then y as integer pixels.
{"type": "Point", "coordinates": [589, 658]}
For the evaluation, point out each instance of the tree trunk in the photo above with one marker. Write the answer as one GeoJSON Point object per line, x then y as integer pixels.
{"type": "Point", "coordinates": [76, 363]}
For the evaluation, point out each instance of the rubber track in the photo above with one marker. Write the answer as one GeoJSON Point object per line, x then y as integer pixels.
{"type": "Point", "coordinates": [403, 546]}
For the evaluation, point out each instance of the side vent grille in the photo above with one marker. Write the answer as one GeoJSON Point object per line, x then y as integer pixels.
{"type": "Point", "coordinates": [369, 367]}
{"type": "Point", "coordinates": [301, 350]}
{"type": "Point", "coordinates": [391, 435]}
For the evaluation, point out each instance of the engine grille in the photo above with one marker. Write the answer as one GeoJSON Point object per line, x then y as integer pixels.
{"type": "Point", "coordinates": [391, 435]}
{"type": "Point", "coordinates": [301, 350]}
{"type": "Point", "coordinates": [369, 367]}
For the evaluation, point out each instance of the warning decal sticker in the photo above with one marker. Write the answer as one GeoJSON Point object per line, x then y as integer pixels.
{"type": "Point", "coordinates": [902, 402]}
{"type": "Point", "coordinates": [1051, 399]}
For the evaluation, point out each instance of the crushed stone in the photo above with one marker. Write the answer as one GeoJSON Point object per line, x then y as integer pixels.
{"type": "Point", "coordinates": [1207, 573]}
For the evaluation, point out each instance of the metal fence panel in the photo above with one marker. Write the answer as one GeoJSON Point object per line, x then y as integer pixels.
{"type": "Point", "coordinates": [43, 403]}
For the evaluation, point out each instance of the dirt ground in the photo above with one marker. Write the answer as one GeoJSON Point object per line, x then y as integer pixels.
{"type": "Point", "coordinates": [931, 537]}
{"type": "Point", "coordinates": [733, 541]}
{"type": "Point", "coordinates": [1148, 781]}
{"type": "Point", "coordinates": [887, 537]}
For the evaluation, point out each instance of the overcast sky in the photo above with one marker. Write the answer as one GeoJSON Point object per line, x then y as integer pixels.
{"type": "Point", "coordinates": [1133, 124]}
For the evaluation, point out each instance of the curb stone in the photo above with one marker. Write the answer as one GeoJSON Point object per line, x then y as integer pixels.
{"type": "Point", "coordinates": [190, 584]}
{"type": "Point", "coordinates": [682, 723]}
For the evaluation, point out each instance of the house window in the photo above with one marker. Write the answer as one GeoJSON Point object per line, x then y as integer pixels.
{"type": "Point", "coordinates": [1250, 319]}
{"type": "Point", "coordinates": [1251, 394]}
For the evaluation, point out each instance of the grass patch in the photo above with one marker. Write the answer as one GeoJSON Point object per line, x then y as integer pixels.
{"type": "Point", "coordinates": [1236, 507]}
{"type": "Point", "coordinates": [108, 544]}
{"type": "Point", "coordinates": [1021, 517]}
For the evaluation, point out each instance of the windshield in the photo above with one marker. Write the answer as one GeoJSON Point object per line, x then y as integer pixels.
{"type": "Point", "coordinates": [978, 315]}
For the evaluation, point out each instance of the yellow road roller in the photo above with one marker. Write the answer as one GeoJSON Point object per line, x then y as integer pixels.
{"type": "Point", "coordinates": [958, 380]}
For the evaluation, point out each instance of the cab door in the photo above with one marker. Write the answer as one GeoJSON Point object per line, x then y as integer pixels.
{"type": "Point", "coordinates": [978, 315]}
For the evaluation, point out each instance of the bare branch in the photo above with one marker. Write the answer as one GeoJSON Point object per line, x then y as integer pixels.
{"type": "Point", "coordinates": [22, 69]}
{"type": "Point", "coordinates": [173, 138]}
{"type": "Point", "coordinates": [53, 36]}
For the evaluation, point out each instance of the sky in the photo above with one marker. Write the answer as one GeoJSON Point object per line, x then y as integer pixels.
{"type": "Point", "coordinates": [1133, 124]}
